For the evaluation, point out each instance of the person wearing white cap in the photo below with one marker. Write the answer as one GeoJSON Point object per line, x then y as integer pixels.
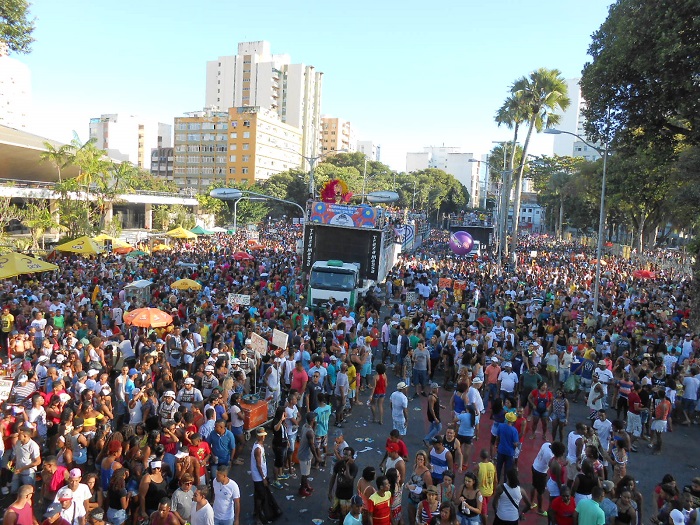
{"type": "Point", "coordinates": [23, 390]}
{"type": "Point", "coordinates": [167, 408]}
{"type": "Point", "coordinates": [508, 381]}
{"type": "Point", "coordinates": [209, 381]}
{"type": "Point", "coordinates": [399, 408]}
{"type": "Point", "coordinates": [189, 394]}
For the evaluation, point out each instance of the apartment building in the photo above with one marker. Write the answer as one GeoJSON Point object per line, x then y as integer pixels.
{"type": "Point", "coordinates": [245, 145]}
{"type": "Point", "coordinates": [130, 137]}
{"type": "Point", "coordinates": [257, 78]}
{"type": "Point", "coordinates": [337, 135]}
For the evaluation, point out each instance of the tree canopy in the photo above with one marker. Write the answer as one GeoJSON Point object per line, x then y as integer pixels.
{"type": "Point", "coordinates": [644, 70]}
{"type": "Point", "coordinates": [16, 27]}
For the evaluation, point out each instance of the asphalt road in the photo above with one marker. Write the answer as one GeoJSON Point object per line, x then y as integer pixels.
{"type": "Point", "coordinates": [678, 457]}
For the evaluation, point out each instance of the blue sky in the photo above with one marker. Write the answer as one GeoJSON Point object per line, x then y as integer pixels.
{"type": "Point", "coordinates": [407, 74]}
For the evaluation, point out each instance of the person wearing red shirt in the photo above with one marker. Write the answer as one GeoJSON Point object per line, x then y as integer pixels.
{"type": "Point", "coordinates": [299, 378]}
{"type": "Point", "coordinates": [200, 449]}
{"type": "Point", "coordinates": [562, 508]}
{"type": "Point", "coordinates": [395, 438]}
{"type": "Point", "coordinates": [379, 504]}
{"type": "Point", "coordinates": [634, 416]}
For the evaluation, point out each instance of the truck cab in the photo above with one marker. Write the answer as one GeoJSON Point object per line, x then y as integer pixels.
{"type": "Point", "coordinates": [476, 250]}
{"type": "Point", "coordinates": [336, 279]}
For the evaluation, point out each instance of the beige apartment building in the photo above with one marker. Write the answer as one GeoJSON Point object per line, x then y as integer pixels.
{"type": "Point", "coordinates": [255, 77]}
{"type": "Point", "coordinates": [337, 135]}
{"type": "Point", "coordinates": [244, 144]}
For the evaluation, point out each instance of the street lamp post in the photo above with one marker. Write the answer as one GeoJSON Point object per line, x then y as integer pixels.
{"type": "Point", "coordinates": [601, 221]}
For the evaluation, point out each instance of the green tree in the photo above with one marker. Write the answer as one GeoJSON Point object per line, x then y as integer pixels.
{"type": "Point", "coordinates": [16, 27]}
{"type": "Point", "coordinates": [8, 213]}
{"type": "Point", "coordinates": [60, 156]}
{"type": "Point", "coordinates": [543, 92]}
{"type": "Point", "coordinates": [644, 70]}
{"type": "Point", "coordinates": [552, 178]}
{"type": "Point", "coordinates": [37, 217]}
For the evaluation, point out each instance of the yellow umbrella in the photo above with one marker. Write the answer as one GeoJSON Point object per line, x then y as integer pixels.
{"type": "Point", "coordinates": [13, 264]}
{"type": "Point", "coordinates": [181, 233]}
{"type": "Point", "coordinates": [116, 243]}
{"type": "Point", "coordinates": [83, 245]}
{"type": "Point", "coordinates": [160, 248]}
{"type": "Point", "coordinates": [186, 284]}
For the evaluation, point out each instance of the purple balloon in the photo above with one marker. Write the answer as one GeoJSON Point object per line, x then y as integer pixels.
{"type": "Point", "coordinates": [461, 243]}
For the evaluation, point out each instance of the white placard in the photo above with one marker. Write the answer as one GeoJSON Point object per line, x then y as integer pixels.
{"type": "Point", "coordinates": [411, 297]}
{"type": "Point", "coordinates": [237, 298]}
{"type": "Point", "coordinates": [259, 343]}
{"type": "Point", "coordinates": [279, 338]}
{"type": "Point", "coordinates": [5, 389]}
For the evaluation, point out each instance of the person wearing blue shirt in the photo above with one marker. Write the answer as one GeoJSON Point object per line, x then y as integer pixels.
{"type": "Point", "coordinates": [508, 439]}
{"type": "Point", "coordinates": [223, 445]}
{"type": "Point", "coordinates": [585, 369]}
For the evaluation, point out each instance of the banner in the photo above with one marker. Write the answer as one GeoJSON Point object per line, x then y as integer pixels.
{"type": "Point", "coordinates": [279, 338]}
{"type": "Point", "coordinates": [259, 343]}
{"type": "Point", "coordinates": [444, 282]}
{"type": "Point", "coordinates": [237, 298]}
{"type": "Point", "coordinates": [411, 297]}
{"type": "Point", "coordinates": [343, 215]}
{"type": "Point", "coordinates": [5, 389]}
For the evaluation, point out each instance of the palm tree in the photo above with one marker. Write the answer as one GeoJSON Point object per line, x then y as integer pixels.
{"type": "Point", "coordinates": [60, 157]}
{"type": "Point", "coordinates": [511, 114]}
{"type": "Point", "coordinates": [542, 92]}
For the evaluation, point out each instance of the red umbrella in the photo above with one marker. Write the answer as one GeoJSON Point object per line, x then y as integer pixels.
{"type": "Point", "coordinates": [242, 256]}
{"type": "Point", "coordinates": [643, 274]}
{"type": "Point", "coordinates": [148, 318]}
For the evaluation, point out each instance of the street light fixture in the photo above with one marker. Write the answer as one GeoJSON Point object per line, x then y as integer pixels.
{"type": "Point", "coordinates": [233, 194]}
{"type": "Point", "coordinates": [601, 221]}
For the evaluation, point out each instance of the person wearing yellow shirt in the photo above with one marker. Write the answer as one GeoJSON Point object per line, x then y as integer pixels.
{"type": "Point", "coordinates": [352, 380]}
{"type": "Point", "coordinates": [487, 481]}
{"type": "Point", "coordinates": [7, 324]}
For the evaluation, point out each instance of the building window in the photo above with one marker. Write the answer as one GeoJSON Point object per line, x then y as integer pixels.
{"type": "Point", "coordinates": [246, 146]}
{"type": "Point", "coordinates": [221, 147]}
{"type": "Point", "coordinates": [246, 134]}
{"type": "Point", "coordinates": [232, 171]}
{"type": "Point", "coordinates": [244, 171]}
{"type": "Point", "coordinates": [246, 123]}
{"type": "Point", "coordinates": [233, 147]}
{"type": "Point", "coordinates": [194, 136]}
{"type": "Point", "coordinates": [193, 126]}
{"type": "Point", "coordinates": [232, 158]}
{"type": "Point", "coordinates": [234, 124]}
{"type": "Point", "coordinates": [245, 158]}
{"type": "Point", "coordinates": [234, 135]}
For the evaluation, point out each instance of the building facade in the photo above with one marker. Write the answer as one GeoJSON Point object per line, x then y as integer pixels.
{"type": "Point", "coordinates": [451, 160]}
{"type": "Point", "coordinates": [129, 137]}
{"type": "Point", "coordinates": [573, 121]}
{"type": "Point", "coordinates": [337, 135]}
{"type": "Point", "coordinates": [257, 78]}
{"type": "Point", "coordinates": [245, 145]}
{"type": "Point", "coordinates": [371, 150]}
{"type": "Point", "coordinates": [162, 160]}
{"type": "Point", "coordinates": [15, 91]}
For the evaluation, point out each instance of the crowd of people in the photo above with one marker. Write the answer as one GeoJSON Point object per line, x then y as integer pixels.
{"type": "Point", "coordinates": [113, 423]}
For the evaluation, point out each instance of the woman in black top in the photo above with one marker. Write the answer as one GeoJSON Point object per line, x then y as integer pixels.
{"type": "Point", "coordinates": [280, 444]}
{"type": "Point", "coordinates": [584, 482]}
{"type": "Point", "coordinates": [117, 498]}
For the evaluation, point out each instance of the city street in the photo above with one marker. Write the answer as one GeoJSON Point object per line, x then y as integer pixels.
{"type": "Point", "coordinates": [645, 467]}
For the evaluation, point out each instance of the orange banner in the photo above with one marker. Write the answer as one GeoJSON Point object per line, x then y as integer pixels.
{"type": "Point", "coordinates": [444, 282]}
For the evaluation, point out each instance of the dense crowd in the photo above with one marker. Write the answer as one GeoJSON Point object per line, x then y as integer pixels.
{"type": "Point", "coordinates": [110, 423]}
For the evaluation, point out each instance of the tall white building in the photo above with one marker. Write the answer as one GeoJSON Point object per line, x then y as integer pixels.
{"type": "Point", "coordinates": [15, 90]}
{"type": "Point", "coordinates": [573, 121]}
{"type": "Point", "coordinates": [129, 137]}
{"type": "Point", "coordinates": [371, 150]}
{"type": "Point", "coordinates": [452, 160]}
{"type": "Point", "coordinates": [256, 77]}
